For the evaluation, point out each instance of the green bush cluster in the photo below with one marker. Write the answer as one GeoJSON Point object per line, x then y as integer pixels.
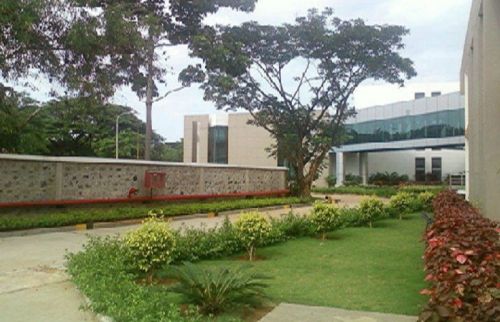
{"type": "Point", "coordinates": [381, 191]}
{"type": "Point", "coordinates": [151, 245]}
{"type": "Point", "coordinates": [371, 209]}
{"type": "Point", "coordinates": [388, 179]}
{"type": "Point", "coordinates": [252, 229]}
{"type": "Point", "coordinates": [325, 218]}
{"type": "Point", "coordinates": [104, 274]}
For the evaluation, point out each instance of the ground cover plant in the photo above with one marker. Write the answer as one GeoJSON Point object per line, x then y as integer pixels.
{"type": "Point", "coordinates": [353, 259]}
{"type": "Point", "coordinates": [25, 218]}
{"type": "Point", "coordinates": [462, 263]}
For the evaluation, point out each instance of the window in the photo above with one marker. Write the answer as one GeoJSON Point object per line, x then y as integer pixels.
{"type": "Point", "coordinates": [217, 144]}
{"type": "Point", "coordinates": [436, 169]}
{"type": "Point", "coordinates": [419, 169]}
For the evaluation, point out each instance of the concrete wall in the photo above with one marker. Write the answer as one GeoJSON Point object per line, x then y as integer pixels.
{"type": "Point", "coordinates": [402, 162]}
{"type": "Point", "coordinates": [480, 80]}
{"type": "Point", "coordinates": [247, 143]}
{"type": "Point", "coordinates": [34, 178]}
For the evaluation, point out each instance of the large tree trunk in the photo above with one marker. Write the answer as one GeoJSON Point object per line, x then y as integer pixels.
{"type": "Point", "coordinates": [149, 105]}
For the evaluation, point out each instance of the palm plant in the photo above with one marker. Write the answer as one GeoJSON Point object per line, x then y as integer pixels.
{"type": "Point", "coordinates": [213, 290]}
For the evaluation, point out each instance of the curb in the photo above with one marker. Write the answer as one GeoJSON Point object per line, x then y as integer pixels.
{"type": "Point", "coordinates": [128, 222]}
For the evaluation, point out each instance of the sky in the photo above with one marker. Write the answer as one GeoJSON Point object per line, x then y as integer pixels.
{"type": "Point", "coordinates": [435, 44]}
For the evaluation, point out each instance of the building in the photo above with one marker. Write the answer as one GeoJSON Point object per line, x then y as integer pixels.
{"type": "Point", "coordinates": [418, 137]}
{"type": "Point", "coordinates": [480, 84]}
{"type": "Point", "coordinates": [226, 138]}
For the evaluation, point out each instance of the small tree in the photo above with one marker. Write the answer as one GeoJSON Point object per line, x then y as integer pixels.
{"type": "Point", "coordinates": [325, 218]}
{"type": "Point", "coordinates": [296, 80]}
{"type": "Point", "coordinates": [402, 203]}
{"type": "Point", "coordinates": [151, 246]}
{"type": "Point", "coordinates": [252, 228]}
{"type": "Point", "coordinates": [371, 209]}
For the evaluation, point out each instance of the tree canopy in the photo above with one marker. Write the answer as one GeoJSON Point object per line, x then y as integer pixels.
{"type": "Point", "coordinates": [297, 80]}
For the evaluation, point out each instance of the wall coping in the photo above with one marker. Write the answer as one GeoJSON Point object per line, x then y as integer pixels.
{"type": "Point", "coordinates": [91, 160]}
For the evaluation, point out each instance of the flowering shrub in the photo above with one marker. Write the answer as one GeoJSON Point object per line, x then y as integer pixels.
{"type": "Point", "coordinates": [462, 262]}
{"type": "Point", "coordinates": [402, 203]}
{"type": "Point", "coordinates": [371, 209]}
{"type": "Point", "coordinates": [324, 218]}
{"type": "Point", "coordinates": [252, 229]}
{"type": "Point", "coordinates": [151, 245]}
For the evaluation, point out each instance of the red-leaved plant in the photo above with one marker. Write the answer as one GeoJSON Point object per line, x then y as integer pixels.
{"type": "Point", "coordinates": [462, 262]}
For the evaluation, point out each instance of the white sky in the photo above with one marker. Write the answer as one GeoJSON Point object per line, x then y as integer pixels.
{"type": "Point", "coordinates": [435, 44]}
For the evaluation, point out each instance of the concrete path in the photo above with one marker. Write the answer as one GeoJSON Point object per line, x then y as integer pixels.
{"type": "Point", "coordinates": [33, 283]}
{"type": "Point", "coordinates": [302, 313]}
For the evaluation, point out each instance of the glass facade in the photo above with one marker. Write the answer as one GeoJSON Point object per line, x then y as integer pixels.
{"type": "Point", "coordinates": [431, 125]}
{"type": "Point", "coordinates": [217, 144]}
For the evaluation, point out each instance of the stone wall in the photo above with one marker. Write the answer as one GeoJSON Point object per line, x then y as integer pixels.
{"type": "Point", "coordinates": [34, 178]}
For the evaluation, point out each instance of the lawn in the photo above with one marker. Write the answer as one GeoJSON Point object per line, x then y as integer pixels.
{"type": "Point", "coordinates": [378, 269]}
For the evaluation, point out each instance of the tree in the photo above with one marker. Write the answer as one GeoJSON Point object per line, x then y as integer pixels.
{"type": "Point", "coordinates": [134, 35]}
{"type": "Point", "coordinates": [20, 128]}
{"type": "Point", "coordinates": [296, 80]}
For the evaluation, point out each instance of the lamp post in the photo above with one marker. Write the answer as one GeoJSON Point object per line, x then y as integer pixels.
{"type": "Point", "coordinates": [117, 130]}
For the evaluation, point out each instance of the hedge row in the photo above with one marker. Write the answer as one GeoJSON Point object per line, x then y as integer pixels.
{"type": "Point", "coordinates": [26, 219]}
{"type": "Point", "coordinates": [462, 262]}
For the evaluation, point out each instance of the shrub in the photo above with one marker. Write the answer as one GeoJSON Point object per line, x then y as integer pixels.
{"type": "Point", "coordinates": [325, 218]}
{"type": "Point", "coordinates": [151, 245]}
{"type": "Point", "coordinates": [331, 180]}
{"type": "Point", "coordinates": [352, 180]}
{"type": "Point", "coordinates": [461, 262]}
{"type": "Point", "coordinates": [425, 199]}
{"type": "Point", "coordinates": [252, 229]}
{"type": "Point", "coordinates": [193, 244]}
{"type": "Point", "coordinates": [402, 203]}
{"type": "Point", "coordinates": [292, 225]}
{"type": "Point", "coordinates": [387, 179]}
{"type": "Point", "coordinates": [217, 289]}
{"type": "Point", "coordinates": [102, 272]}
{"type": "Point", "coordinates": [371, 209]}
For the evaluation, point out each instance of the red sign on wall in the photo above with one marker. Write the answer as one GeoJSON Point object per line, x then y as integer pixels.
{"type": "Point", "coordinates": [154, 180]}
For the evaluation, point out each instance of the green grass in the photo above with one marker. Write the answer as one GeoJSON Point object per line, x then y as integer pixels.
{"type": "Point", "coordinates": [378, 269]}
{"type": "Point", "coordinates": [25, 218]}
{"type": "Point", "coordinates": [380, 191]}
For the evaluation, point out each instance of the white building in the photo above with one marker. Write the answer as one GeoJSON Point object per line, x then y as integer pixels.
{"type": "Point", "coordinates": [417, 137]}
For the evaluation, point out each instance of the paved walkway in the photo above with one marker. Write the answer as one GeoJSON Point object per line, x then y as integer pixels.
{"type": "Point", "coordinates": [301, 313]}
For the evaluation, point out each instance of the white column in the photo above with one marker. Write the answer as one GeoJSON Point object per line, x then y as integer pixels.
{"type": "Point", "coordinates": [363, 167]}
{"type": "Point", "coordinates": [339, 165]}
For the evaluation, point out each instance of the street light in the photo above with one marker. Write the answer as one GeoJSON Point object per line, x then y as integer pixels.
{"type": "Point", "coordinates": [118, 130]}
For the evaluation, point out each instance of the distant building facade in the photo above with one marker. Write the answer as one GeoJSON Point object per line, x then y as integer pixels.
{"type": "Point", "coordinates": [480, 84]}
{"type": "Point", "coordinates": [417, 138]}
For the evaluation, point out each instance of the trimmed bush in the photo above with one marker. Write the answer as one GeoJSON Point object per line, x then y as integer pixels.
{"type": "Point", "coordinates": [216, 290]}
{"type": "Point", "coordinates": [402, 204]}
{"type": "Point", "coordinates": [425, 199]}
{"type": "Point", "coordinates": [462, 263]}
{"type": "Point", "coordinates": [292, 226]}
{"type": "Point", "coordinates": [151, 245]}
{"type": "Point", "coordinates": [252, 229]}
{"type": "Point", "coordinates": [371, 209]}
{"type": "Point", "coordinates": [193, 244]}
{"type": "Point", "coordinates": [325, 218]}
